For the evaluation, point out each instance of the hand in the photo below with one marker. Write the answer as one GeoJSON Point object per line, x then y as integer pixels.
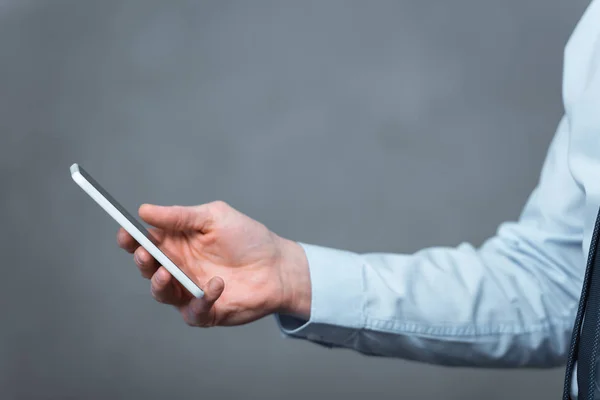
{"type": "Point", "coordinates": [245, 270]}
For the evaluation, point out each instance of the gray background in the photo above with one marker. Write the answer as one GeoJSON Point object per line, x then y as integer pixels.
{"type": "Point", "coordinates": [364, 125]}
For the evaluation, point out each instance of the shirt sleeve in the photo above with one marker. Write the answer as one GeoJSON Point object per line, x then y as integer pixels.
{"type": "Point", "coordinates": [509, 303]}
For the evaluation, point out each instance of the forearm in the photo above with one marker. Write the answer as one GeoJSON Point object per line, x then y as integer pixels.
{"type": "Point", "coordinates": [506, 304]}
{"type": "Point", "coordinates": [509, 303]}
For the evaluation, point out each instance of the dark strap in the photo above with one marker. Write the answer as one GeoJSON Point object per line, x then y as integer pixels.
{"type": "Point", "coordinates": [584, 342]}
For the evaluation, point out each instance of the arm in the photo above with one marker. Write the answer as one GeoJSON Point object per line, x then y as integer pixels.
{"type": "Point", "coordinates": [509, 303]}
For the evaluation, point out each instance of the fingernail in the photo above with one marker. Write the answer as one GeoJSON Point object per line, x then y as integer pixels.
{"type": "Point", "coordinates": [136, 257]}
{"type": "Point", "coordinates": [160, 277]}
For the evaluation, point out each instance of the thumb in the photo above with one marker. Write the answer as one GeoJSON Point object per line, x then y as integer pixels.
{"type": "Point", "coordinates": [200, 311]}
{"type": "Point", "coordinates": [176, 218]}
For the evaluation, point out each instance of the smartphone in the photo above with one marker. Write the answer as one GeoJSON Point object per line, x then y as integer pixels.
{"type": "Point", "coordinates": [131, 225]}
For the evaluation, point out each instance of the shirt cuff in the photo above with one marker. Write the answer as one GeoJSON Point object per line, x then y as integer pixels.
{"type": "Point", "coordinates": [337, 302]}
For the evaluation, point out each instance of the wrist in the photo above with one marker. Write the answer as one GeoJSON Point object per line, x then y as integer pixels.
{"type": "Point", "coordinates": [295, 280]}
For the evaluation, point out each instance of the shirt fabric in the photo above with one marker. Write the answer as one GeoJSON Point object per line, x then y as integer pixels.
{"type": "Point", "coordinates": [512, 301]}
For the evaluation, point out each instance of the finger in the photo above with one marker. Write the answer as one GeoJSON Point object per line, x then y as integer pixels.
{"type": "Point", "coordinates": [145, 262]}
{"type": "Point", "coordinates": [156, 235]}
{"type": "Point", "coordinates": [126, 241]}
{"type": "Point", "coordinates": [200, 311]}
{"type": "Point", "coordinates": [129, 244]}
{"type": "Point", "coordinates": [164, 288]}
{"type": "Point", "coordinates": [176, 218]}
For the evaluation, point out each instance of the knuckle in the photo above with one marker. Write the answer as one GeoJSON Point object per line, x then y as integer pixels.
{"type": "Point", "coordinates": [219, 206]}
{"type": "Point", "coordinates": [156, 294]}
{"type": "Point", "coordinates": [179, 221]}
{"type": "Point", "coordinates": [144, 259]}
{"type": "Point", "coordinates": [175, 215]}
{"type": "Point", "coordinates": [220, 203]}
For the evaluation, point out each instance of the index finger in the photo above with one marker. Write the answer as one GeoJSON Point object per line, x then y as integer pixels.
{"type": "Point", "coordinates": [129, 244]}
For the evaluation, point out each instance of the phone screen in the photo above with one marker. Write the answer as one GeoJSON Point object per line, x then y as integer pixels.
{"type": "Point", "coordinates": [139, 226]}
{"type": "Point", "coordinates": [118, 206]}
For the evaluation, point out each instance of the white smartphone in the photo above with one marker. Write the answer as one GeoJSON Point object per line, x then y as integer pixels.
{"type": "Point", "coordinates": [131, 225]}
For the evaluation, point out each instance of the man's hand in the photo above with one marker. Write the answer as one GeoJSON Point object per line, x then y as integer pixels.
{"type": "Point", "coordinates": [245, 270]}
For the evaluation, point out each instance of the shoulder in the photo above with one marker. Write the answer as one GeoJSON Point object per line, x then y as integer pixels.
{"type": "Point", "coordinates": [582, 55]}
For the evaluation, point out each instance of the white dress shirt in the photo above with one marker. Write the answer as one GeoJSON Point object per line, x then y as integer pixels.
{"type": "Point", "coordinates": [509, 303]}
